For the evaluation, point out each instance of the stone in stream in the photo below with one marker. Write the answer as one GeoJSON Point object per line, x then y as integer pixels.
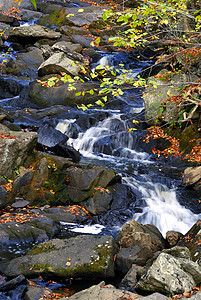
{"type": "Point", "coordinates": [172, 272]}
{"type": "Point", "coordinates": [83, 256]}
{"type": "Point", "coordinates": [52, 138]}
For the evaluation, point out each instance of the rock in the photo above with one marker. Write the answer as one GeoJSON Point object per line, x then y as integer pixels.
{"type": "Point", "coordinates": [28, 14]}
{"type": "Point", "coordinates": [173, 237]}
{"type": "Point", "coordinates": [66, 46]}
{"type": "Point", "coordinates": [10, 87]}
{"type": "Point", "coordinates": [37, 229]}
{"type": "Point", "coordinates": [3, 193]}
{"type": "Point", "coordinates": [29, 62]}
{"type": "Point", "coordinates": [192, 241]}
{"type": "Point", "coordinates": [192, 178]}
{"type": "Point", "coordinates": [55, 141]}
{"type": "Point", "coordinates": [64, 214]}
{"type": "Point", "coordinates": [32, 33]}
{"type": "Point", "coordinates": [131, 278]}
{"type": "Point", "coordinates": [85, 181]}
{"type": "Point", "coordinates": [132, 255]}
{"type": "Point", "coordinates": [9, 20]}
{"type": "Point", "coordinates": [154, 98]}
{"type": "Point", "coordinates": [82, 256]}
{"type": "Point", "coordinates": [156, 296]}
{"type": "Point", "coordinates": [103, 292]}
{"type": "Point", "coordinates": [173, 272]}
{"type": "Point", "coordinates": [5, 28]}
{"type": "Point", "coordinates": [58, 63]}
{"type": "Point", "coordinates": [37, 292]}
{"type": "Point", "coordinates": [20, 203]}
{"type": "Point", "coordinates": [136, 234]}
{"type": "Point", "coordinates": [196, 296]}
{"type": "Point", "coordinates": [99, 201]}
{"type": "Point", "coordinates": [44, 96]}
{"type": "Point", "coordinates": [14, 149]}
{"type": "Point", "coordinates": [10, 285]}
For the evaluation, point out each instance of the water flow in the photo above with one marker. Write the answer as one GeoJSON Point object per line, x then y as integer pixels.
{"type": "Point", "coordinates": [162, 208]}
{"type": "Point", "coordinates": [109, 143]}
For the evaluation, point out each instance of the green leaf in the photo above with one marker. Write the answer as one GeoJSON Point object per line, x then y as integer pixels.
{"type": "Point", "coordinates": [34, 3]}
{"type": "Point", "coordinates": [78, 94]}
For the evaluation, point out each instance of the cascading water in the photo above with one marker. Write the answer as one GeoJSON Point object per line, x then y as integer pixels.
{"type": "Point", "coordinates": [109, 143]}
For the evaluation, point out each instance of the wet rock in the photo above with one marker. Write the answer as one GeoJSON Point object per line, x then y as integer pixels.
{"type": "Point", "coordinates": [10, 87]}
{"type": "Point", "coordinates": [99, 202]}
{"type": "Point", "coordinates": [14, 149]}
{"type": "Point", "coordinates": [192, 178]}
{"type": "Point", "coordinates": [83, 182]}
{"type": "Point", "coordinates": [58, 63]}
{"type": "Point", "coordinates": [55, 141]}
{"type": "Point", "coordinates": [44, 96]}
{"type": "Point", "coordinates": [37, 292]}
{"type": "Point", "coordinates": [173, 237]}
{"type": "Point", "coordinates": [136, 234]}
{"type": "Point", "coordinates": [29, 62]}
{"type": "Point", "coordinates": [103, 292]}
{"type": "Point", "coordinates": [46, 50]}
{"type": "Point", "coordinates": [132, 255]}
{"type": "Point", "coordinates": [173, 272]}
{"type": "Point", "coordinates": [10, 285]}
{"type": "Point", "coordinates": [67, 214]}
{"type": "Point", "coordinates": [36, 230]}
{"type": "Point", "coordinates": [82, 256]}
{"type": "Point", "coordinates": [32, 33]}
{"type": "Point", "coordinates": [192, 241]}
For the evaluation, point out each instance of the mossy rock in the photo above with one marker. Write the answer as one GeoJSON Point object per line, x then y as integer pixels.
{"type": "Point", "coordinates": [82, 256]}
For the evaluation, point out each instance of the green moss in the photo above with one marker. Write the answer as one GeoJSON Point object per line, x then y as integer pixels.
{"type": "Point", "coordinates": [42, 248]}
{"type": "Point", "coordinates": [58, 18]}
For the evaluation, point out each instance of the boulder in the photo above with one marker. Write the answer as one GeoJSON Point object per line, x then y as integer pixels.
{"type": "Point", "coordinates": [136, 234]}
{"type": "Point", "coordinates": [192, 241]}
{"type": "Point", "coordinates": [31, 229]}
{"type": "Point", "coordinates": [99, 202]}
{"type": "Point", "coordinates": [58, 63]}
{"type": "Point", "coordinates": [29, 62]}
{"type": "Point", "coordinates": [130, 279]}
{"type": "Point", "coordinates": [67, 46]}
{"type": "Point", "coordinates": [30, 34]}
{"type": "Point", "coordinates": [154, 98]}
{"type": "Point", "coordinates": [44, 96]}
{"type": "Point", "coordinates": [10, 87]}
{"type": "Point", "coordinates": [37, 292]}
{"type": "Point", "coordinates": [173, 272]}
{"type": "Point", "coordinates": [173, 237]}
{"type": "Point", "coordinates": [82, 256]}
{"type": "Point", "coordinates": [132, 255]}
{"type": "Point", "coordinates": [192, 178]}
{"type": "Point", "coordinates": [14, 149]}
{"type": "Point", "coordinates": [103, 292]}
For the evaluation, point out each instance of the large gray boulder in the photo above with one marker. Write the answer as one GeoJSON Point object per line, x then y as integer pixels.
{"type": "Point", "coordinates": [173, 272]}
{"type": "Point", "coordinates": [58, 63]}
{"type": "Point", "coordinates": [14, 149]}
{"type": "Point", "coordinates": [82, 256]}
{"type": "Point", "coordinates": [32, 33]}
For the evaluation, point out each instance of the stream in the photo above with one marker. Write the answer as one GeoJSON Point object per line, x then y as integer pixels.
{"type": "Point", "coordinates": [157, 194]}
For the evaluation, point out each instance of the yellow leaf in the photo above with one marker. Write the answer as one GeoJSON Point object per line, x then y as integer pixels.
{"type": "Point", "coordinates": [80, 10]}
{"type": "Point", "coordinates": [155, 86]}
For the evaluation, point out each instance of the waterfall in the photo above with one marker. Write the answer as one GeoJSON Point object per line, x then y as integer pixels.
{"type": "Point", "coordinates": [110, 143]}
